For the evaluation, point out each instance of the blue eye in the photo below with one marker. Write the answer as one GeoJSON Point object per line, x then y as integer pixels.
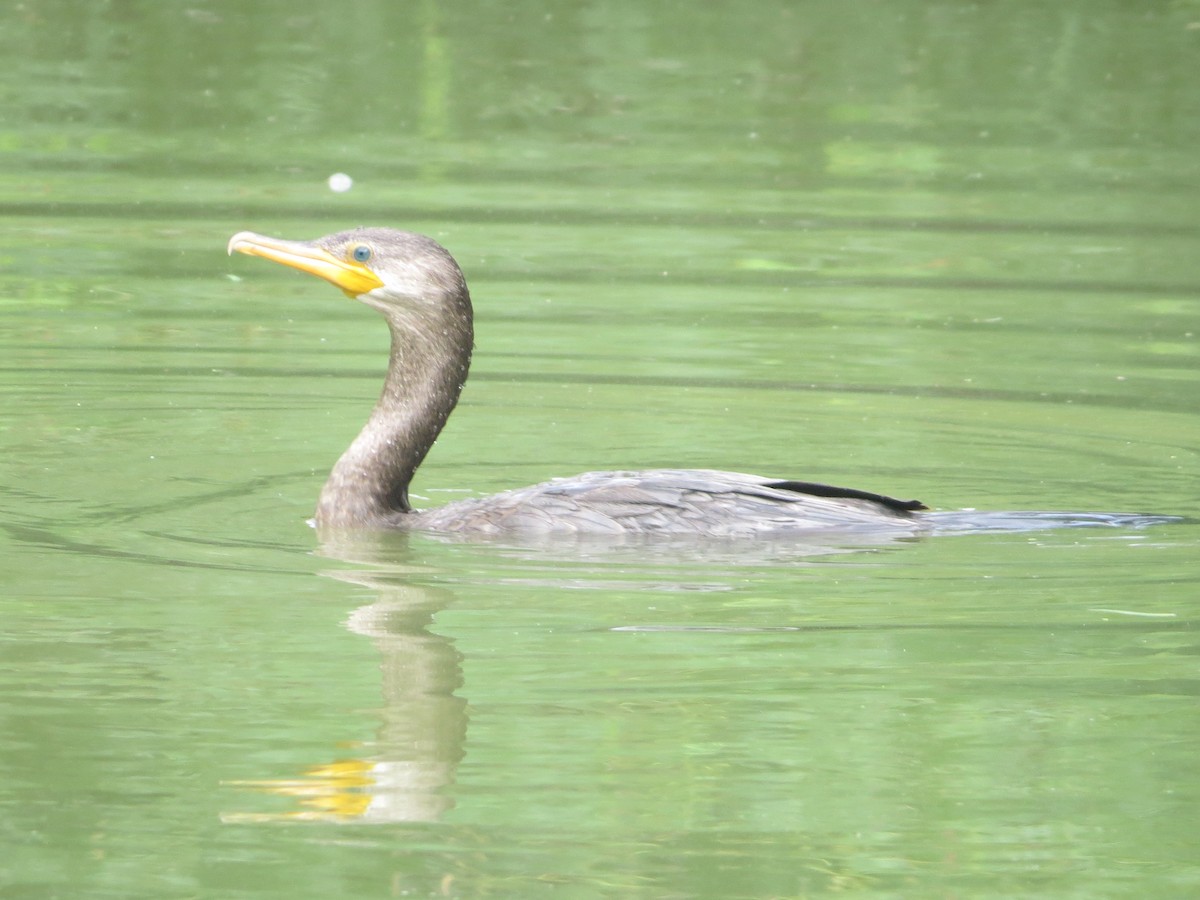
{"type": "Point", "coordinates": [361, 253]}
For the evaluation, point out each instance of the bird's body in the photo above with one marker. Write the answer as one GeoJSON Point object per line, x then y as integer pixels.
{"type": "Point", "coordinates": [421, 292]}
{"type": "Point", "coordinates": [669, 501]}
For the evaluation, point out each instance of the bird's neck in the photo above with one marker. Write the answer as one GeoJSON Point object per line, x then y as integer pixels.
{"type": "Point", "coordinates": [369, 484]}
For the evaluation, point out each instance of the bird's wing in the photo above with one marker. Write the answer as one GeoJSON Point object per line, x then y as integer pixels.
{"type": "Point", "coordinates": [675, 501]}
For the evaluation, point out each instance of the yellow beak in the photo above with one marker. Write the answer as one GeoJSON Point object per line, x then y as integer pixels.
{"type": "Point", "coordinates": [350, 275]}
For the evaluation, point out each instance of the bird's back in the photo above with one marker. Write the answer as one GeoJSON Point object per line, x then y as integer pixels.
{"type": "Point", "coordinates": [673, 501]}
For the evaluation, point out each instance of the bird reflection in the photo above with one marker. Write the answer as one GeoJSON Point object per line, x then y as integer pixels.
{"type": "Point", "coordinates": [405, 774]}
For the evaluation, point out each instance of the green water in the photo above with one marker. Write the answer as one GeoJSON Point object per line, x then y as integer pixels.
{"type": "Point", "coordinates": [945, 251]}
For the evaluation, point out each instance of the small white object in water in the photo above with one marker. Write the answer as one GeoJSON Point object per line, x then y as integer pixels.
{"type": "Point", "coordinates": [340, 182]}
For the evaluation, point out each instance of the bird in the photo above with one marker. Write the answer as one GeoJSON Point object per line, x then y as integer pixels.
{"type": "Point", "coordinates": [422, 293]}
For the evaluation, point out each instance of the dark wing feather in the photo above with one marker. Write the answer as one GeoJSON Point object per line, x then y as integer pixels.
{"type": "Point", "coordinates": [828, 490]}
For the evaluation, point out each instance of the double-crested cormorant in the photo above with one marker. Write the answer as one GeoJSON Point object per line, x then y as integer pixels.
{"type": "Point", "coordinates": [421, 292]}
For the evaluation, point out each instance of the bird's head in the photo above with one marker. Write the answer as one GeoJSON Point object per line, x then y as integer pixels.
{"type": "Point", "coordinates": [382, 267]}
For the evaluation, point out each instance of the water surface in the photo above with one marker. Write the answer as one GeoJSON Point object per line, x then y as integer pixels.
{"type": "Point", "coordinates": [936, 250]}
